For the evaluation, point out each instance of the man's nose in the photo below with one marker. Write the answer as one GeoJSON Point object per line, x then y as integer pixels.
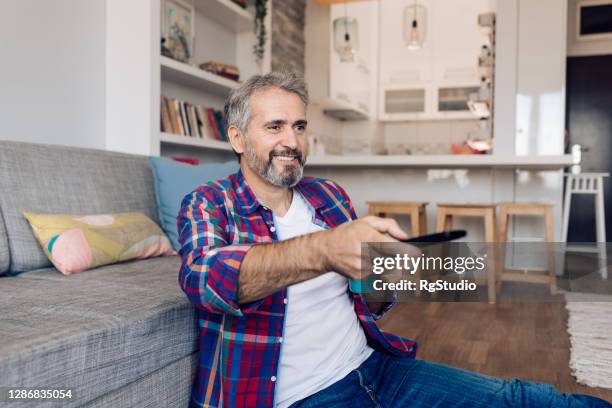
{"type": "Point", "coordinates": [290, 138]}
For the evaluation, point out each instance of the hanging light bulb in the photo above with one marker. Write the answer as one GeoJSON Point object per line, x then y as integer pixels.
{"type": "Point", "coordinates": [346, 39]}
{"type": "Point", "coordinates": [414, 26]}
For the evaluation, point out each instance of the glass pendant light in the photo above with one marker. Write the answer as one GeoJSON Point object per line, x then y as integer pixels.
{"type": "Point", "coordinates": [346, 38]}
{"type": "Point", "coordinates": [415, 26]}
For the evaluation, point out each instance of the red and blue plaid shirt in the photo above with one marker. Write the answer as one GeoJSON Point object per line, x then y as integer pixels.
{"type": "Point", "coordinates": [240, 344]}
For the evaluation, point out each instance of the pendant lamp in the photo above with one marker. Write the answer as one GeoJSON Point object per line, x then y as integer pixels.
{"type": "Point", "coordinates": [346, 38]}
{"type": "Point", "coordinates": [415, 26]}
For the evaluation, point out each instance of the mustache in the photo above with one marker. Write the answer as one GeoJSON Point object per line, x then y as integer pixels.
{"type": "Point", "coordinates": [297, 153]}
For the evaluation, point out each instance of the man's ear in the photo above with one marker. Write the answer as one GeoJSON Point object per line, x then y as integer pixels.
{"type": "Point", "coordinates": [236, 139]}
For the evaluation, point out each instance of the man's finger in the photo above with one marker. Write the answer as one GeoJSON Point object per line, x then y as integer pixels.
{"type": "Point", "coordinates": [388, 226]}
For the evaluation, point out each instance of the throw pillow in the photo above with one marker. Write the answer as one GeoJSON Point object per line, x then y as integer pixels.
{"type": "Point", "coordinates": [75, 243]}
{"type": "Point", "coordinates": [174, 180]}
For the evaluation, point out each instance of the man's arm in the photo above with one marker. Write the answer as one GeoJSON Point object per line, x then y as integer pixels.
{"type": "Point", "coordinates": [220, 277]}
{"type": "Point", "coordinates": [270, 267]}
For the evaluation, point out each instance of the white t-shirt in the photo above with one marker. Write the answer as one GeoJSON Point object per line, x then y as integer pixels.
{"type": "Point", "coordinates": [323, 340]}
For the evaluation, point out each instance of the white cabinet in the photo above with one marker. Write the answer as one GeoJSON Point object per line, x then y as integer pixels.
{"type": "Point", "coordinates": [351, 83]}
{"type": "Point", "coordinates": [442, 73]}
{"type": "Point", "coordinates": [540, 76]}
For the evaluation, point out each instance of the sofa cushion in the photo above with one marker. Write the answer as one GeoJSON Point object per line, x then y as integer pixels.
{"type": "Point", "coordinates": [174, 180]}
{"type": "Point", "coordinates": [5, 260]}
{"type": "Point", "coordinates": [94, 332]}
{"type": "Point", "coordinates": [77, 243]}
{"type": "Point", "coordinates": [61, 180]}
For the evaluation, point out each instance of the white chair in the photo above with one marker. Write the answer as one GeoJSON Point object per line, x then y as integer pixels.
{"type": "Point", "coordinates": [588, 183]}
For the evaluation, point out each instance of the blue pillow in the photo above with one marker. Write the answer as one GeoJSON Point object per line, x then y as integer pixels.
{"type": "Point", "coordinates": [174, 180]}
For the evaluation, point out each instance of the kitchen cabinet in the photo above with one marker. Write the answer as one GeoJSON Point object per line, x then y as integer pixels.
{"type": "Point", "coordinates": [352, 83]}
{"type": "Point", "coordinates": [444, 70]}
{"type": "Point", "coordinates": [350, 92]}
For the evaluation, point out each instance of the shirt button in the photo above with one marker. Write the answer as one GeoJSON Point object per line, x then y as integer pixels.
{"type": "Point", "coordinates": [272, 228]}
{"type": "Point", "coordinates": [285, 300]}
{"type": "Point", "coordinates": [273, 378]}
{"type": "Point", "coordinates": [280, 339]}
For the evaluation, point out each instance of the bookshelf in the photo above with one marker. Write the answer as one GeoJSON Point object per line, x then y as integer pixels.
{"type": "Point", "coordinates": [227, 13]}
{"type": "Point", "coordinates": [179, 140]}
{"type": "Point", "coordinates": [224, 32]}
{"type": "Point", "coordinates": [181, 73]}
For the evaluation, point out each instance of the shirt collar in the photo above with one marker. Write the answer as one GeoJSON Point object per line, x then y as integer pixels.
{"type": "Point", "coordinates": [247, 201]}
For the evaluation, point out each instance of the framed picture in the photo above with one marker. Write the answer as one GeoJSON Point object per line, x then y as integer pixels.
{"type": "Point", "coordinates": [593, 20]}
{"type": "Point", "coordinates": [178, 31]}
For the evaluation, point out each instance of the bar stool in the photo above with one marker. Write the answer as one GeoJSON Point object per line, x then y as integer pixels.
{"type": "Point", "coordinates": [414, 209]}
{"type": "Point", "coordinates": [444, 222]}
{"type": "Point", "coordinates": [506, 210]}
{"type": "Point", "coordinates": [588, 183]}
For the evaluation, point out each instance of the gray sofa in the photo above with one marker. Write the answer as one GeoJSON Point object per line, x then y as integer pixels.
{"type": "Point", "coordinates": [118, 336]}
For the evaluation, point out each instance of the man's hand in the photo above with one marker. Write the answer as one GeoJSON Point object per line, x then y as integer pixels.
{"type": "Point", "coordinates": [343, 243]}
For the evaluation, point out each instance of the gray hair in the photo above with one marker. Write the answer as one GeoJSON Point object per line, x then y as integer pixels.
{"type": "Point", "coordinates": [237, 111]}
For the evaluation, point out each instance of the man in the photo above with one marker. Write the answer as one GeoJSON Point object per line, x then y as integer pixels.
{"type": "Point", "coordinates": [267, 257]}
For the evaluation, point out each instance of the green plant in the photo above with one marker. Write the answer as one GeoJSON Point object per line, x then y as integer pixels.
{"type": "Point", "coordinates": [261, 10]}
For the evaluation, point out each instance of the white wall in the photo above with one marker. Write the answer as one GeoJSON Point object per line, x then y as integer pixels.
{"type": "Point", "coordinates": [577, 48]}
{"type": "Point", "coordinates": [132, 76]}
{"type": "Point", "coordinates": [52, 72]}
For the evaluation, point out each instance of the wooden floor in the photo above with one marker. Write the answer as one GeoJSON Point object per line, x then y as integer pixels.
{"type": "Point", "coordinates": [520, 340]}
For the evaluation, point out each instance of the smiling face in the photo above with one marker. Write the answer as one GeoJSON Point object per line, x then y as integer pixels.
{"type": "Point", "coordinates": [274, 144]}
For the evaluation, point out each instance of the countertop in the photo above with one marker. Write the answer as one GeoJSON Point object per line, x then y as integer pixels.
{"type": "Point", "coordinates": [551, 162]}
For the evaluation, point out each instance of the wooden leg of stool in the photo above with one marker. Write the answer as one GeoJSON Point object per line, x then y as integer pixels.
{"type": "Point", "coordinates": [550, 248]}
{"type": "Point", "coordinates": [491, 263]}
{"type": "Point", "coordinates": [415, 222]}
{"type": "Point", "coordinates": [440, 220]}
{"type": "Point", "coordinates": [503, 238]}
{"type": "Point", "coordinates": [423, 221]}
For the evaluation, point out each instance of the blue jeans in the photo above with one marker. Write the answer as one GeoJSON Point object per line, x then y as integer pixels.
{"type": "Point", "coordinates": [384, 381]}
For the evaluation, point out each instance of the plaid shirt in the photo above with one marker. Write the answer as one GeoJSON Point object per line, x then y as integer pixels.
{"type": "Point", "coordinates": [240, 344]}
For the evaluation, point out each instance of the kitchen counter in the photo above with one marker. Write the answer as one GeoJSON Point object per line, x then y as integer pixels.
{"type": "Point", "coordinates": [552, 162]}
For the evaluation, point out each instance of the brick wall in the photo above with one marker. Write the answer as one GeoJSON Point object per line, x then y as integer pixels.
{"type": "Point", "coordinates": [288, 34]}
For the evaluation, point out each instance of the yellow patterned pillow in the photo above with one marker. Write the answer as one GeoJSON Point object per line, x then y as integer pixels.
{"type": "Point", "coordinates": [75, 243]}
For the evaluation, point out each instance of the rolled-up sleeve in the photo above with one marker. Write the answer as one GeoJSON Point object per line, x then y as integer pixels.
{"type": "Point", "coordinates": [210, 263]}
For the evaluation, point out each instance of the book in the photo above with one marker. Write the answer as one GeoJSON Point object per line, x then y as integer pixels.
{"type": "Point", "coordinates": [195, 132]}
{"type": "Point", "coordinates": [206, 130]}
{"type": "Point", "coordinates": [199, 122]}
{"type": "Point", "coordinates": [221, 128]}
{"type": "Point", "coordinates": [186, 130]}
{"type": "Point", "coordinates": [188, 160]}
{"type": "Point", "coordinates": [176, 115]}
{"type": "Point", "coordinates": [166, 123]}
{"type": "Point", "coordinates": [211, 122]}
{"type": "Point", "coordinates": [186, 106]}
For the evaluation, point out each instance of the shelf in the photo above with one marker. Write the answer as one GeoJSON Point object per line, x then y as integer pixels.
{"type": "Point", "coordinates": [227, 13]}
{"type": "Point", "coordinates": [341, 110]}
{"type": "Point", "coordinates": [444, 161]}
{"type": "Point", "coordinates": [449, 115]}
{"type": "Point", "coordinates": [169, 138]}
{"type": "Point", "coordinates": [184, 74]}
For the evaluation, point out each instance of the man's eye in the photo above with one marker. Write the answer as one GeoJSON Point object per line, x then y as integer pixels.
{"type": "Point", "coordinates": [300, 128]}
{"type": "Point", "coordinates": [274, 127]}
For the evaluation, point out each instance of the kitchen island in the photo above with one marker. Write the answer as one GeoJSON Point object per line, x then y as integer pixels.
{"type": "Point", "coordinates": [451, 179]}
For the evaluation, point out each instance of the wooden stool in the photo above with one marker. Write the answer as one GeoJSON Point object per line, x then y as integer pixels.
{"type": "Point", "coordinates": [414, 209]}
{"type": "Point", "coordinates": [444, 222]}
{"type": "Point", "coordinates": [506, 210]}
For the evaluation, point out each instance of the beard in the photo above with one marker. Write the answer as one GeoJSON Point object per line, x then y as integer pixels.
{"type": "Point", "coordinates": [290, 174]}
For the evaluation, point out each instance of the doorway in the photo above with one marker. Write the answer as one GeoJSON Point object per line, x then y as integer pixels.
{"type": "Point", "coordinates": [589, 124]}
